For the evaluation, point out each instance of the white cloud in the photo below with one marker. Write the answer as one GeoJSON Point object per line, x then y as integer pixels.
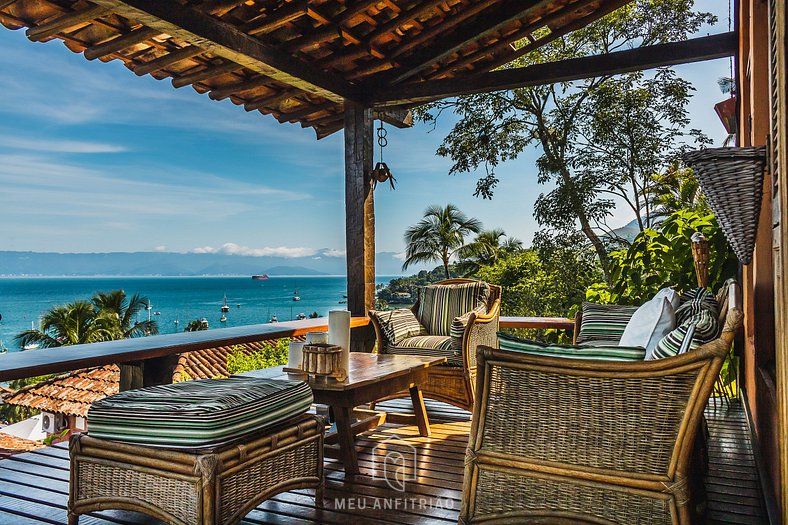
{"type": "Point", "coordinates": [400, 256]}
{"type": "Point", "coordinates": [231, 248]}
{"type": "Point", "coordinates": [330, 252]}
{"type": "Point", "coordinates": [160, 248]}
{"type": "Point", "coordinates": [58, 146]}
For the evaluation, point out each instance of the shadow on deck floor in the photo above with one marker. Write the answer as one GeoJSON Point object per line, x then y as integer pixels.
{"type": "Point", "coordinates": [34, 485]}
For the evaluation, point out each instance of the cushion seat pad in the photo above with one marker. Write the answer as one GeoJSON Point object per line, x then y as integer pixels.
{"type": "Point", "coordinates": [195, 414]}
{"type": "Point", "coordinates": [429, 345]}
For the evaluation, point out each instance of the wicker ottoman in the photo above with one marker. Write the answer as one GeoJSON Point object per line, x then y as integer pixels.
{"type": "Point", "coordinates": [210, 486]}
{"type": "Point", "coordinates": [197, 452]}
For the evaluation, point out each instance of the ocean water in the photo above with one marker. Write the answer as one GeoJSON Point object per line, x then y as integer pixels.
{"type": "Point", "coordinates": [24, 300]}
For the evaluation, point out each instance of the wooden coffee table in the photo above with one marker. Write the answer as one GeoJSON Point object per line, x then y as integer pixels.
{"type": "Point", "coordinates": [371, 377]}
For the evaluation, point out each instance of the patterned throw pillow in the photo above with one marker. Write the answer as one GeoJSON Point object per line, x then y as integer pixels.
{"type": "Point", "coordinates": [397, 325]}
{"type": "Point", "coordinates": [601, 353]}
{"type": "Point", "coordinates": [439, 304]}
{"type": "Point", "coordinates": [603, 324]}
{"type": "Point", "coordinates": [458, 327]}
{"type": "Point", "coordinates": [698, 323]}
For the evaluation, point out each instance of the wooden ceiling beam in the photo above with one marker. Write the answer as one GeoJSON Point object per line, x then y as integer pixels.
{"type": "Point", "coordinates": [649, 57]}
{"type": "Point", "coordinates": [524, 32]}
{"type": "Point", "coordinates": [167, 60]}
{"type": "Point", "coordinates": [277, 19]}
{"type": "Point", "coordinates": [64, 22]}
{"type": "Point", "coordinates": [136, 36]}
{"type": "Point", "coordinates": [225, 91]}
{"type": "Point", "coordinates": [330, 32]}
{"type": "Point", "coordinates": [482, 26]}
{"type": "Point", "coordinates": [229, 42]}
{"type": "Point", "coordinates": [309, 109]}
{"type": "Point", "coordinates": [204, 74]}
{"type": "Point", "coordinates": [270, 101]}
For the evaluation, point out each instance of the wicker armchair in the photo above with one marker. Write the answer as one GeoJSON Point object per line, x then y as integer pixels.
{"type": "Point", "coordinates": [455, 383]}
{"type": "Point", "coordinates": [581, 441]}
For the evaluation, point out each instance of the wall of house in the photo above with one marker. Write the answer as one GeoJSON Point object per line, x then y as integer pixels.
{"type": "Point", "coordinates": [764, 299]}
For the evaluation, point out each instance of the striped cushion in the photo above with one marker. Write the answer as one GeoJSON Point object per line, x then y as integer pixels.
{"type": "Point", "coordinates": [430, 345]}
{"type": "Point", "coordinates": [458, 327]}
{"type": "Point", "coordinates": [600, 353]}
{"type": "Point", "coordinates": [603, 324]}
{"type": "Point", "coordinates": [698, 323]}
{"type": "Point", "coordinates": [439, 304]}
{"type": "Point", "coordinates": [197, 414]}
{"type": "Point", "coordinates": [397, 325]}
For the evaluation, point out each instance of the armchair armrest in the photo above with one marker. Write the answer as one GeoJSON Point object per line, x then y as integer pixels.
{"type": "Point", "coordinates": [482, 329]}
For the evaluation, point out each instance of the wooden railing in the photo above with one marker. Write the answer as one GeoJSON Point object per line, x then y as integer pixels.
{"type": "Point", "coordinates": [160, 350]}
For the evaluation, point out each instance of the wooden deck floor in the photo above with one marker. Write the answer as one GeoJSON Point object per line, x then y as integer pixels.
{"type": "Point", "coordinates": [34, 485]}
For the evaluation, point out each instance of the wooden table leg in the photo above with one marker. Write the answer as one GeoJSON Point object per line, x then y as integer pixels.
{"type": "Point", "coordinates": [347, 441]}
{"type": "Point", "coordinates": [422, 421]}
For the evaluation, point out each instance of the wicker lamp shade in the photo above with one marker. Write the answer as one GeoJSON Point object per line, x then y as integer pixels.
{"type": "Point", "coordinates": [732, 181]}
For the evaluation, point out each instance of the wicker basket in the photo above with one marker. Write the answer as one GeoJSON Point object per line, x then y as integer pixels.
{"type": "Point", "coordinates": [732, 181]}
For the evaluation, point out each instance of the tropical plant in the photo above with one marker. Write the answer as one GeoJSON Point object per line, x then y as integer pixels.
{"type": "Point", "coordinates": [71, 324]}
{"type": "Point", "coordinates": [126, 310]}
{"type": "Point", "coordinates": [439, 236]}
{"type": "Point", "coordinates": [663, 257]}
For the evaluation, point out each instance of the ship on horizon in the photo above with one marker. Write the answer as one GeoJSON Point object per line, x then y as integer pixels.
{"type": "Point", "coordinates": [263, 277]}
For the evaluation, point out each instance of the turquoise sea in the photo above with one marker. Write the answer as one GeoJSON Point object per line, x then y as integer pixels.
{"type": "Point", "coordinates": [24, 300]}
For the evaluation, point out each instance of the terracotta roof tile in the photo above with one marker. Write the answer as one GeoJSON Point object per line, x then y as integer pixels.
{"type": "Point", "coordinates": [73, 393]}
{"type": "Point", "coordinates": [10, 445]}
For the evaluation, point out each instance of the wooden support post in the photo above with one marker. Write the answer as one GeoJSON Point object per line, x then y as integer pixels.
{"type": "Point", "coordinates": [359, 210]}
{"type": "Point", "coordinates": [149, 372]}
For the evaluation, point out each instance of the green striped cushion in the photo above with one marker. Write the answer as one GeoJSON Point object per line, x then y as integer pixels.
{"type": "Point", "coordinates": [459, 324]}
{"type": "Point", "coordinates": [603, 324]}
{"type": "Point", "coordinates": [439, 304]}
{"type": "Point", "coordinates": [429, 345]}
{"type": "Point", "coordinates": [397, 325]}
{"type": "Point", "coordinates": [196, 414]}
{"type": "Point", "coordinates": [600, 353]}
{"type": "Point", "coordinates": [698, 321]}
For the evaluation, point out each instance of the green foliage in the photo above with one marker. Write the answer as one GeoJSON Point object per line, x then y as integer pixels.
{"type": "Point", "coordinates": [663, 257]}
{"type": "Point", "coordinates": [196, 325]}
{"type": "Point", "coordinates": [241, 361]}
{"type": "Point", "coordinates": [13, 413]}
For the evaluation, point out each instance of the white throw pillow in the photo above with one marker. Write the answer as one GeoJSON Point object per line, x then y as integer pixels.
{"type": "Point", "coordinates": [649, 324]}
{"type": "Point", "coordinates": [671, 295]}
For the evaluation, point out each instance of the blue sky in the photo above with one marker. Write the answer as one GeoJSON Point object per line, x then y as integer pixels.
{"type": "Point", "coordinates": [95, 159]}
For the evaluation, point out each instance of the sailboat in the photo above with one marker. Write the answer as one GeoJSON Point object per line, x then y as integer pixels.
{"type": "Point", "coordinates": [296, 297]}
{"type": "Point", "coordinates": [31, 346]}
{"type": "Point", "coordinates": [223, 319]}
{"type": "Point", "coordinates": [225, 308]}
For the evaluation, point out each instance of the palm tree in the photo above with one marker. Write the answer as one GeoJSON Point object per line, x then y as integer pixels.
{"type": "Point", "coordinates": [125, 310]}
{"type": "Point", "coordinates": [486, 249]}
{"type": "Point", "coordinates": [71, 324]}
{"type": "Point", "coordinates": [438, 236]}
{"type": "Point", "coordinates": [196, 325]}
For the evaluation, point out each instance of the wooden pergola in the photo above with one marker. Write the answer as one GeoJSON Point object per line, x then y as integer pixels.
{"type": "Point", "coordinates": [334, 64]}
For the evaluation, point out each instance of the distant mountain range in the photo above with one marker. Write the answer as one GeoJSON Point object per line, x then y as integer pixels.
{"type": "Point", "coordinates": [179, 264]}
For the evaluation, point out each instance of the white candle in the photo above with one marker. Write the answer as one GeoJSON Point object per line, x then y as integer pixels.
{"type": "Point", "coordinates": [339, 334]}
{"type": "Point", "coordinates": [295, 354]}
{"type": "Point", "coordinates": [317, 338]}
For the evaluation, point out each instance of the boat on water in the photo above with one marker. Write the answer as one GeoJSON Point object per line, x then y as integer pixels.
{"type": "Point", "coordinates": [223, 319]}
{"type": "Point", "coordinates": [296, 297]}
{"type": "Point", "coordinates": [301, 316]}
{"type": "Point", "coordinates": [225, 307]}
{"type": "Point", "coordinates": [263, 277]}
{"type": "Point", "coordinates": [273, 319]}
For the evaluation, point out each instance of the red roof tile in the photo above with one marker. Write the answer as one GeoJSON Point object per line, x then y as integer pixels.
{"type": "Point", "coordinates": [10, 445]}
